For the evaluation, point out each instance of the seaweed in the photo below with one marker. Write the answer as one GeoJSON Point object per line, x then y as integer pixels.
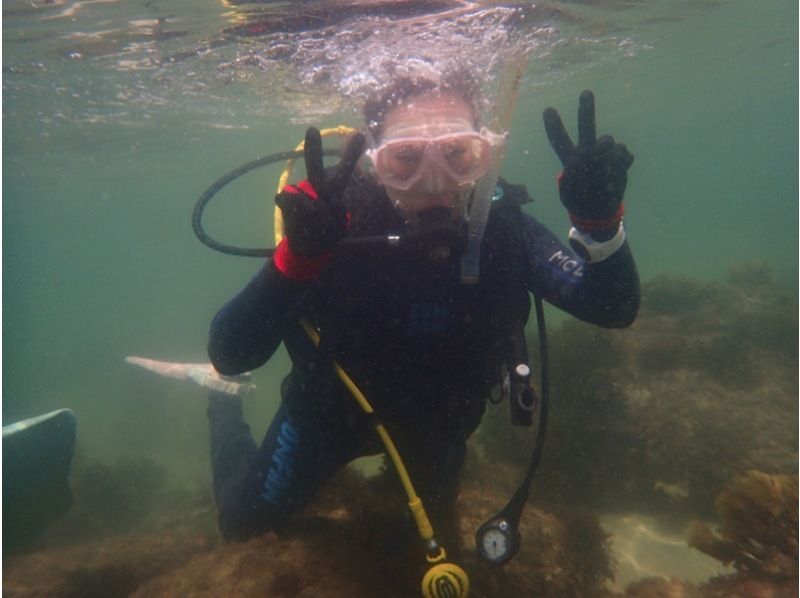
{"type": "Point", "coordinates": [130, 494]}
{"type": "Point", "coordinates": [355, 539]}
{"type": "Point", "coordinates": [758, 532]}
{"type": "Point", "coordinates": [110, 581]}
{"type": "Point", "coordinates": [116, 497]}
{"type": "Point", "coordinates": [659, 416]}
{"type": "Point", "coordinates": [669, 294]}
{"type": "Point", "coordinates": [588, 544]}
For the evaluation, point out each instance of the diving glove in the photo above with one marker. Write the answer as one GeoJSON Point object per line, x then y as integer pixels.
{"type": "Point", "coordinates": [314, 215]}
{"type": "Point", "coordinates": [595, 172]}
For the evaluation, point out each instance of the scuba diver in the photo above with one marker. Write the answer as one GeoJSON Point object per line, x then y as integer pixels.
{"type": "Point", "coordinates": [425, 347]}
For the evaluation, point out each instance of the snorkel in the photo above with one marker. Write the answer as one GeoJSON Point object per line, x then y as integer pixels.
{"type": "Point", "coordinates": [478, 211]}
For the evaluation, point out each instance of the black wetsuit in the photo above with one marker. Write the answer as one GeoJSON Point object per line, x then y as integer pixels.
{"type": "Point", "coordinates": [424, 348]}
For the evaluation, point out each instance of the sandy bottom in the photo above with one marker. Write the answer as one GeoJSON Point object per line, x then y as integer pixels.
{"type": "Point", "coordinates": [643, 549]}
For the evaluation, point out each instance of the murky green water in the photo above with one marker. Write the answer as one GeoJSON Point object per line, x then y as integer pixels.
{"type": "Point", "coordinates": [104, 155]}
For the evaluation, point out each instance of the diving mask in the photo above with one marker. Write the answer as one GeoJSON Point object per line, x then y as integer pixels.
{"type": "Point", "coordinates": [463, 156]}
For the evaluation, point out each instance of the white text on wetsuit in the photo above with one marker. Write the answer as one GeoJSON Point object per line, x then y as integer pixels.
{"type": "Point", "coordinates": [567, 263]}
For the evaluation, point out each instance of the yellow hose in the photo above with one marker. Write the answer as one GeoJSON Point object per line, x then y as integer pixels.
{"type": "Point", "coordinates": [414, 502]}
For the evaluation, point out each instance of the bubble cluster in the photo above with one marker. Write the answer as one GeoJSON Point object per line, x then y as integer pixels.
{"type": "Point", "coordinates": [297, 62]}
{"type": "Point", "coordinates": [351, 60]}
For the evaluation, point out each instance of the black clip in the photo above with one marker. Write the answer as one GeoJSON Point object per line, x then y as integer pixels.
{"type": "Point", "coordinates": [523, 399]}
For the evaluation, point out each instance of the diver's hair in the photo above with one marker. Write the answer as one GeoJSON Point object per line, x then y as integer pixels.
{"type": "Point", "coordinates": [460, 83]}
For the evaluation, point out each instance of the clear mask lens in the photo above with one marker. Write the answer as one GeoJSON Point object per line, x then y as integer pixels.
{"type": "Point", "coordinates": [463, 157]}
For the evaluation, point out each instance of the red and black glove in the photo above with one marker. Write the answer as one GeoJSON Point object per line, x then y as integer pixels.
{"type": "Point", "coordinates": [314, 215]}
{"type": "Point", "coordinates": [595, 172]}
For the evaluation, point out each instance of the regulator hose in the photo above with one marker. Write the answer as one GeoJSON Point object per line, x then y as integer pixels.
{"type": "Point", "coordinates": [219, 184]}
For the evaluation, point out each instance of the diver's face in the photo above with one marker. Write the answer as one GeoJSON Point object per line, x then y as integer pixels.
{"type": "Point", "coordinates": [428, 117]}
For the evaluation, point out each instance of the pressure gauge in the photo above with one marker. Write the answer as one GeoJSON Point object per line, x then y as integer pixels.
{"type": "Point", "coordinates": [497, 541]}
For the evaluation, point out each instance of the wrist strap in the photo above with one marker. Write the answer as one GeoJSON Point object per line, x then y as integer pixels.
{"type": "Point", "coordinates": [596, 251]}
{"type": "Point", "coordinates": [589, 225]}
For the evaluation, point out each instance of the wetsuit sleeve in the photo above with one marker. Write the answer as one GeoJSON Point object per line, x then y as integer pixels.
{"type": "Point", "coordinates": [605, 293]}
{"type": "Point", "coordinates": [249, 328]}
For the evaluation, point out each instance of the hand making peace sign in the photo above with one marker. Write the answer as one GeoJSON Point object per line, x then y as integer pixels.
{"type": "Point", "coordinates": [595, 172]}
{"type": "Point", "coordinates": [314, 215]}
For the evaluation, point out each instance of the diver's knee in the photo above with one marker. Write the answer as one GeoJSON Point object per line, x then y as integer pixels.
{"type": "Point", "coordinates": [238, 528]}
{"type": "Point", "coordinates": [241, 523]}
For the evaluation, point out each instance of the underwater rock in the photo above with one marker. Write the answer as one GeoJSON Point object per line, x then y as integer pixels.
{"type": "Point", "coordinates": [759, 519]}
{"type": "Point", "coordinates": [657, 417]}
{"type": "Point", "coordinates": [723, 587]}
{"type": "Point", "coordinates": [119, 494]}
{"type": "Point", "coordinates": [130, 494]}
{"type": "Point", "coordinates": [108, 568]}
{"type": "Point", "coordinates": [563, 551]}
{"type": "Point", "coordinates": [356, 540]}
{"type": "Point", "coordinates": [662, 588]}
{"type": "Point", "coordinates": [128, 525]}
